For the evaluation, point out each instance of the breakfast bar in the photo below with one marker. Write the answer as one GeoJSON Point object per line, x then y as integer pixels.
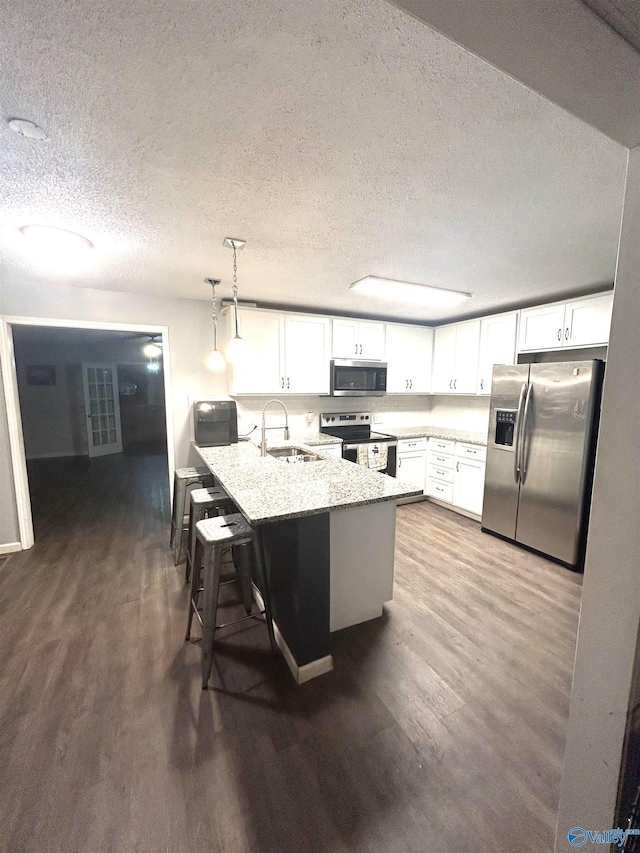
{"type": "Point", "coordinates": [327, 530]}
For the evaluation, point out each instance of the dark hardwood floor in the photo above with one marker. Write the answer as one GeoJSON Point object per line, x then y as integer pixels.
{"type": "Point", "coordinates": [440, 730]}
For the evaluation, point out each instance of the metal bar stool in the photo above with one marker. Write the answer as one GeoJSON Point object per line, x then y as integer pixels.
{"type": "Point", "coordinates": [204, 503]}
{"type": "Point", "coordinates": [214, 536]}
{"type": "Point", "coordinates": [182, 479]}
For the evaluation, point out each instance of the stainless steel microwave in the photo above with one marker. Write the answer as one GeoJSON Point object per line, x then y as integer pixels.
{"type": "Point", "coordinates": [358, 378]}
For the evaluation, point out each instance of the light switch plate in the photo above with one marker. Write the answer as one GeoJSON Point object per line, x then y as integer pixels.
{"type": "Point", "coordinates": [377, 418]}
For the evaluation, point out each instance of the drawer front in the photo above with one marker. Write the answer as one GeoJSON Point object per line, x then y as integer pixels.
{"type": "Point", "coordinates": [440, 490]}
{"type": "Point", "coordinates": [442, 445]}
{"type": "Point", "coordinates": [409, 445]}
{"type": "Point", "coordinates": [437, 472]}
{"type": "Point", "coordinates": [442, 460]}
{"type": "Point", "coordinates": [471, 451]}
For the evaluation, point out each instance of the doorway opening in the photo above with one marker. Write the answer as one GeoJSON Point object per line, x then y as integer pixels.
{"type": "Point", "coordinates": [85, 398]}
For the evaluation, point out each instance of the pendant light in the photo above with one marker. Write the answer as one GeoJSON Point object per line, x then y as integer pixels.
{"type": "Point", "coordinates": [235, 349]}
{"type": "Point", "coordinates": [216, 360]}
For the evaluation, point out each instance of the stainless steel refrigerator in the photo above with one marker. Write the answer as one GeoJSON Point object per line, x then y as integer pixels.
{"type": "Point", "coordinates": [540, 449]}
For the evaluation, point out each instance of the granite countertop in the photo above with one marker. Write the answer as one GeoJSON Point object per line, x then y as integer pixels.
{"type": "Point", "coordinates": [439, 432]}
{"type": "Point", "coordinates": [314, 439]}
{"type": "Point", "coordinates": [266, 489]}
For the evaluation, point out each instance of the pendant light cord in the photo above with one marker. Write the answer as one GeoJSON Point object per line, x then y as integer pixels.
{"type": "Point", "coordinates": [235, 288]}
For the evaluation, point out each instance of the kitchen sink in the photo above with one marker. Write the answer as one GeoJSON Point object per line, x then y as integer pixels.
{"type": "Point", "coordinates": [293, 454]}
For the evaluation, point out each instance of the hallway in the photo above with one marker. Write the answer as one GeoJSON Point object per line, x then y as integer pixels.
{"type": "Point", "coordinates": [440, 730]}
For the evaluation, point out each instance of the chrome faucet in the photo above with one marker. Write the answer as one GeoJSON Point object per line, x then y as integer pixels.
{"type": "Point", "coordinates": [263, 443]}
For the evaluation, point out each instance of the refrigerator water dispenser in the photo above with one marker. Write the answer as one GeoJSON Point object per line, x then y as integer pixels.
{"type": "Point", "coordinates": [505, 426]}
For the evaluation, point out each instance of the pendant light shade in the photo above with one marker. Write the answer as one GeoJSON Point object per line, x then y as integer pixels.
{"type": "Point", "coordinates": [216, 361]}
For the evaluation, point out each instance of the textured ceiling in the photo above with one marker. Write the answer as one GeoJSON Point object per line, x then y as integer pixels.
{"type": "Point", "coordinates": [623, 16]}
{"type": "Point", "coordinates": [340, 138]}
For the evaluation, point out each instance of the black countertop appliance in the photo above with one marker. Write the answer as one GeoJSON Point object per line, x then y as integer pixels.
{"type": "Point", "coordinates": [215, 422]}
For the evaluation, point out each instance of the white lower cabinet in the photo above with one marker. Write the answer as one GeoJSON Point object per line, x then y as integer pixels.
{"type": "Point", "coordinates": [468, 485]}
{"type": "Point", "coordinates": [412, 461]}
{"type": "Point", "coordinates": [455, 473]}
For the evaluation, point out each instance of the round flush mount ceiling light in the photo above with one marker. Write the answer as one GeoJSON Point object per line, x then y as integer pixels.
{"type": "Point", "coordinates": [30, 129]}
{"type": "Point", "coordinates": [55, 239]}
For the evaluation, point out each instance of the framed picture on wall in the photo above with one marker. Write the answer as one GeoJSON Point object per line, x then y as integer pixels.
{"type": "Point", "coordinates": [41, 374]}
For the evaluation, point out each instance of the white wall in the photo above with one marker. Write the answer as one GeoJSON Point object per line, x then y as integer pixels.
{"type": "Point", "coordinates": [610, 612]}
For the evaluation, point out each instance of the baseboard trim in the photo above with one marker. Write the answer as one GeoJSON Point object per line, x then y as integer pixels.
{"type": "Point", "coordinates": [10, 548]}
{"type": "Point", "coordinates": [308, 670]}
{"type": "Point", "coordinates": [56, 455]}
{"type": "Point", "coordinates": [300, 673]}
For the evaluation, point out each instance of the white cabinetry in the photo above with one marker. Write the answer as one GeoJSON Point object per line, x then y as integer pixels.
{"type": "Point", "coordinates": [497, 346]}
{"type": "Point", "coordinates": [455, 358]}
{"type": "Point", "coordinates": [357, 339]}
{"type": "Point", "coordinates": [412, 461]}
{"type": "Point", "coordinates": [587, 321]}
{"type": "Point", "coordinates": [455, 473]}
{"type": "Point", "coordinates": [284, 353]}
{"type": "Point", "coordinates": [409, 351]}
{"type": "Point", "coordinates": [578, 323]}
{"type": "Point", "coordinates": [468, 481]}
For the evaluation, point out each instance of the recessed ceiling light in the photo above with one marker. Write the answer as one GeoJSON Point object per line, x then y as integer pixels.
{"type": "Point", "coordinates": [27, 128]}
{"type": "Point", "coordinates": [58, 239]}
{"type": "Point", "coordinates": [408, 291]}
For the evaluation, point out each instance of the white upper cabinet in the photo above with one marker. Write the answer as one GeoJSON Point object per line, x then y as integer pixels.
{"type": "Point", "coordinates": [409, 351]}
{"type": "Point", "coordinates": [444, 356]}
{"type": "Point", "coordinates": [259, 370]}
{"type": "Point", "coordinates": [587, 321]}
{"type": "Point", "coordinates": [284, 353]}
{"type": "Point", "coordinates": [357, 339]}
{"type": "Point", "coordinates": [578, 323]}
{"type": "Point", "coordinates": [455, 358]}
{"type": "Point", "coordinates": [306, 354]}
{"type": "Point", "coordinates": [497, 346]}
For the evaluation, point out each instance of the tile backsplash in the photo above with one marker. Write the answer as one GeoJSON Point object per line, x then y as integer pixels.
{"type": "Point", "coordinates": [469, 413]}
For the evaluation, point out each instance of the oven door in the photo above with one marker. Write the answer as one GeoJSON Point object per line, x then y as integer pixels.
{"type": "Point", "coordinates": [350, 453]}
{"type": "Point", "coordinates": [358, 378]}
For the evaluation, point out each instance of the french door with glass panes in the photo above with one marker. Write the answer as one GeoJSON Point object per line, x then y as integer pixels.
{"type": "Point", "coordinates": [102, 406]}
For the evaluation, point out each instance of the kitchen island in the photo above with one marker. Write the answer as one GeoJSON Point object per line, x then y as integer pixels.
{"type": "Point", "coordinates": [327, 528]}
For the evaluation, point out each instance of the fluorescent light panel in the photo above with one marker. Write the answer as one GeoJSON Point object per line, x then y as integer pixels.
{"type": "Point", "coordinates": [408, 291]}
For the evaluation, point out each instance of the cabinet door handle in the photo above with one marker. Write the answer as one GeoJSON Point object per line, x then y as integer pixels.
{"type": "Point", "coordinates": [282, 380]}
{"type": "Point", "coordinates": [288, 382]}
{"type": "Point", "coordinates": [360, 349]}
{"type": "Point", "coordinates": [406, 384]}
{"type": "Point", "coordinates": [458, 467]}
{"type": "Point", "coordinates": [482, 384]}
{"type": "Point", "coordinates": [450, 384]}
{"type": "Point", "coordinates": [566, 334]}
{"type": "Point", "coordinates": [400, 462]}
{"type": "Point", "coordinates": [438, 489]}
{"type": "Point", "coordinates": [411, 383]}
{"type": "Point", "coordinates": [455, 382]}
{"type": "Point", "coordinates": [559, 334]}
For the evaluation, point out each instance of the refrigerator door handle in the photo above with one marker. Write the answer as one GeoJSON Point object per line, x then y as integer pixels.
{"type": "Point", "coordinates": [516, 437]}
{"type": "Point", "coordinates": [525, 426]}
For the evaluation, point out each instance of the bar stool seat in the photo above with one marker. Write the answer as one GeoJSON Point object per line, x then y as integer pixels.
{"type": "Point", "coordinates": [202, 504]}
{"type": "Point", "coordinates": [183, 478]}
{"type": "Point", "coordinates": [214, 536]}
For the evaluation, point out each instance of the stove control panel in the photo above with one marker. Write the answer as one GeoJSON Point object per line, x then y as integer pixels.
{"type": "Point", "coordinates": [345, 418]}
